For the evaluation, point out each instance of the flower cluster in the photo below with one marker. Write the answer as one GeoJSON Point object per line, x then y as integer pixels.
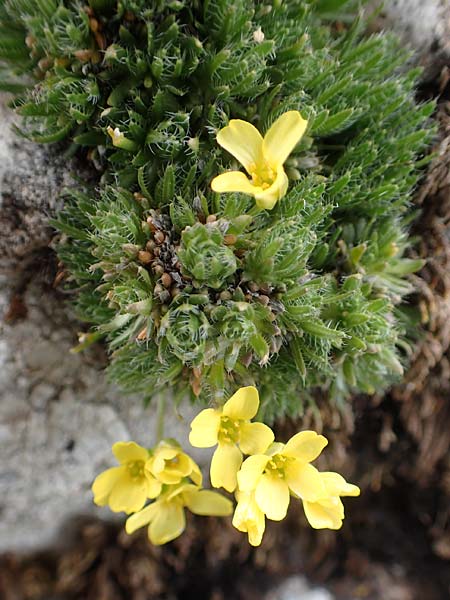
{"type": "Point", "coordinates": [263, 483]}
{"type": "Point", "coordinates": [273, 472]}
{"type": "Point", "coordinates": [167, 477]}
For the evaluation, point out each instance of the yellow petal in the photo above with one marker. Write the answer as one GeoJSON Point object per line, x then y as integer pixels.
{"type": "Point", "coordinates": [337, 486]}
{"type": "Point", "coordinates": [170, 465]}
{"type": "Point", "coordinates": [234, 181]}
{"type": "Point", "coordinates": [323, 517]}
{"type": "Point", "coordinates": [169, 476]}
{"type": "Point", "coordinates": [168, 523]}
{"type": "Point", "coordinates": [334, 503]}
{"type": "Point", "coordinates": [205, 428]}
{"type": "Point", "coordinates": [183, 467]}
{"type": "Point", "coordinates": [129, 452]}
{"type": "Point", "coordinates": [163, 453]}
{"type": "Point", "coordinates": [104, 484]}
{"type": "Point", "coordinates": [255, 438]}
{"type": "Point", "coordinates": [249, 518]}
{"type": "Point", "coordinates": [240, 515]}
{"type": "Point", "coordinates": [141, 518]}
{"type": "Point", "coordinates": [267, 199]}
{"type": "Point", "coordinates": [206, 502]}
{"type": "Point", "coordinates": [176, 490]}
{"type": "Point", "coordinates": [128, 495]}
{"type": "Point", "coordinates": [173, 470]}
{"type": "Point", "coordinates": [305, 481]}
{"type": "Point", "coordinates": [305, 446]}
{"type": "Point", "coordinates": [156, 464]}
{"type": "Point", "coordinates": [256, 529]}
{"type": "Point", "coordinates": [243, 141]}
{"type": "Point", "coordinates": [272, 497]}
{"type": "Point", "coordinates": [275, 448]}
{"type": "Point", "coordinates": [196, 474]}
{"type": "Point", "coordinates": [225, 464]}
{"type": "Point", "coordinates": [283, 136]}
{"type": "Point", "coordinates": [153, 486]}
{"type": "Point", "coordinates": [251, 471]}
{"type": "Point", "coordinates": [243, 405]}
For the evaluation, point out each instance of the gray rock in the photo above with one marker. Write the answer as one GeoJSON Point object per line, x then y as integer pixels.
{"type": "Point", "coordinates": [298, 588]}
{"type": "Point", "coordinates": [424, 25]}
{"type": "Point", "coordinates": [58, 415]}
{"type": "Point", "coordinates": [58, 420]}
{"type": "Point", "coordinates": [32, 178]}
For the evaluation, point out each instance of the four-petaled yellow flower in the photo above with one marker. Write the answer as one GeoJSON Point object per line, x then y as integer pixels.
{"type": "Point", "coordinates": [284, 468]}
{"type": "Point", "coordinates": [262, 158]}
{"type": "Point", "coordinates": [169, 464]}
{"type": "Point", "coordinates": [230, 427]}
{"type": "Point", "coordinates": [249, 518]}
{"type": "Point", "coordinates": [328, 512]}
{"type": "Point", "coordinates": [166, 518]}
{"type": "Point", "coordinates": [126, 487]}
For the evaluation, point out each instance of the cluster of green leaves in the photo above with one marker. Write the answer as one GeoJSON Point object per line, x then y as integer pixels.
{"type": "Point", "coordinates": [303, 297]}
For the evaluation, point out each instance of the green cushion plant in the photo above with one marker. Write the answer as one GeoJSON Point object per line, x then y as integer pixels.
{"type": "Point", "coordinates": [204, 292]}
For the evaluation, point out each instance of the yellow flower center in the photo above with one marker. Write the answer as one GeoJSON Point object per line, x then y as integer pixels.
{"type": "Point", "coordinates": [171, 463]}
{"type": "Point", "coordinates": [277, 465]}
{"type": "Point", "coordinates": [228, 431]}
{"type": "Point", "coordinates": [136, 469]}
{"type": "Point", "coordinates": [262, 174]}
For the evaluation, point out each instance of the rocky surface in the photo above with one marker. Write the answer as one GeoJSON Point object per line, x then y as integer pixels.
{"type": "Point", "coordinates": [424, 25]}
{"type": "Point", "coordinates": [31, 181]}
{"type": "Point", "coordinates": [58, 420]}
{"type": "Point", "coordinates": [58, 415]}
{"type": "Point", "coordinates": [297, 588]}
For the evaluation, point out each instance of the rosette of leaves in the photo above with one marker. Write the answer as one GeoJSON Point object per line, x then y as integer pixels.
{"type": "Point", "coordinates": [203, 292]}
{"type": "Point", "coordinates": [270, 314]}
{"type": "Point", "coordinates": [205, 256]}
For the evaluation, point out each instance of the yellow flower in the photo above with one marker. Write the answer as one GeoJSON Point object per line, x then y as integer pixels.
{"type": "Point", "coordinates": [249, 518]}
{"type": "Point", "coordinates": [169, 464]}
{"type": "Point", "coordinates": [262, 158]}
{"type": "Point", "coordinates": [126, 487]}
{"type": "Point", "coordinates": [228, 427]}
{"type": "Point", "coordinates": [166, 518]}
{"type": "Point", "coordinates": [283, 469]}
{"type": "Point", "coordinates": [328, 512]}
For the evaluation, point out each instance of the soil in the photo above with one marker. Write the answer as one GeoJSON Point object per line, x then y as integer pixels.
{"type": "Point", "coordinates": [383, 552]}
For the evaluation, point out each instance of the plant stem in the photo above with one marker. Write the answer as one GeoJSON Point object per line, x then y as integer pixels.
{"type": "Point", "coordinates": [160, 418]}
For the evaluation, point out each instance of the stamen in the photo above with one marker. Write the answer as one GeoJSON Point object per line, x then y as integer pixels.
{"type": "Point", "coordinates": [228, 430]}
{"type": "Point", "coordinates": [277, 465]}
{"type": "Point", "coordinates": [262, 175]}
{"type": "Point", "coordinates": [136, 469]}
